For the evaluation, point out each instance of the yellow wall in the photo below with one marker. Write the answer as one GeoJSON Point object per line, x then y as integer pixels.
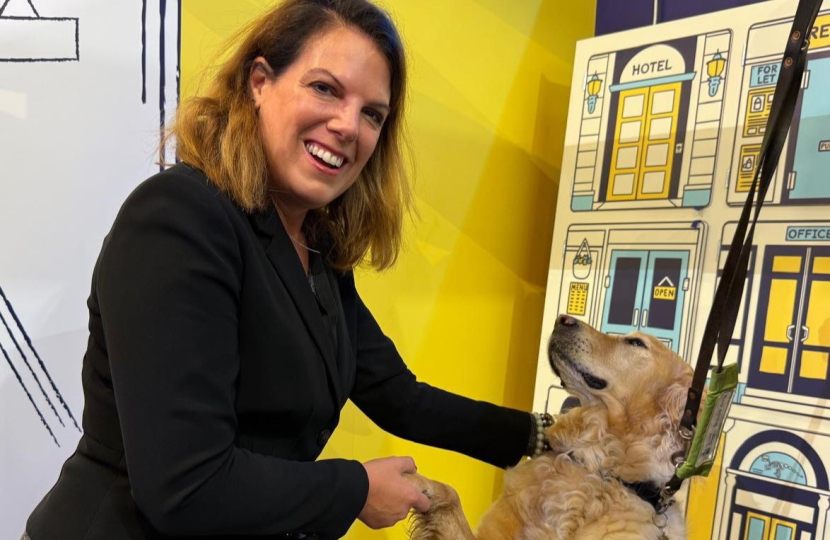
{"type": "Point", "coordinates": [490, 81]}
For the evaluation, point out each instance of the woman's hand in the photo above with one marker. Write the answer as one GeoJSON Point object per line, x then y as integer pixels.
{"type": "Point", "coordinates": [390, 495]}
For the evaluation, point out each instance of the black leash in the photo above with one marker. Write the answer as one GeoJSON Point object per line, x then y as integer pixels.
{"type": "Point", "coordinates": [724, 311]}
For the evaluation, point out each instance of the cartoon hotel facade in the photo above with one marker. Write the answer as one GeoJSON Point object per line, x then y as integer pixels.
{"type": "Point", "coordinates": [661, 147]}
{"type": "Point", "coordinates": [650, 125]}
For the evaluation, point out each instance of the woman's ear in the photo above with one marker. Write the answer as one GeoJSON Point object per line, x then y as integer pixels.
{"type": "Point", "coordinates": [258, 77]}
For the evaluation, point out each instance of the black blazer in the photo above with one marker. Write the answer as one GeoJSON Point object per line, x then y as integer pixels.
{"type": "Point", "coordinates": [211, 383]}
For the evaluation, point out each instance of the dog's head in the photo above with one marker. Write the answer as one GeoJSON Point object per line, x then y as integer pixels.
{"type": "Point", "coordinates": [613, 369]}
{"type": "Point", "coordinates": [633, 386]}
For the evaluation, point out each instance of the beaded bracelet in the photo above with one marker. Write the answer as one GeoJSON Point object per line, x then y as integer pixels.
{"type": "Point", "coordinates": [538, 442]}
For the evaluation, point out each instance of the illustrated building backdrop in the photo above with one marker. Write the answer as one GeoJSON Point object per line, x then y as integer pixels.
{"type": "Point", "coordinates": [663, 137]}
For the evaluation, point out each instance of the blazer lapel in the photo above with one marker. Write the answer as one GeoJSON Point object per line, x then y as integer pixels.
{"type": "Point", "coordinates": [284, 259]}
{"type": "Point", "coordinates": [346, 354]}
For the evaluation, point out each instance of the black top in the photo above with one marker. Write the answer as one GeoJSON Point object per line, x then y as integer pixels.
{"type": "Point", "coordinates": [211, 383]}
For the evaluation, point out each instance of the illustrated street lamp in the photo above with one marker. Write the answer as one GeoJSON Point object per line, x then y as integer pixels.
{"type": "Point", "coordinates": [594, 86]}
{"type": "Point", "coordinates": [715, 68]}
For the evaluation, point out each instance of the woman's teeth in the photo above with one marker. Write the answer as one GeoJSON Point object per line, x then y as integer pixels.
{"type": "Point", "coordinates": [324, 155]}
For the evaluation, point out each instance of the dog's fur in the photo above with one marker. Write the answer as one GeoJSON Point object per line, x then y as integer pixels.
{"type": "Point", "coordinates": [632, 390]}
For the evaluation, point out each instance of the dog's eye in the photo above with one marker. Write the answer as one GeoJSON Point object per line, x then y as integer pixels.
{"type": "Point", "coordinates": [637, 342]}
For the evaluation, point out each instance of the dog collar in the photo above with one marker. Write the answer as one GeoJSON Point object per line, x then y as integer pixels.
{"type": "Point", "coordinates": [650, 493]}
{"type": "Point", "coordinates": [654, 495]}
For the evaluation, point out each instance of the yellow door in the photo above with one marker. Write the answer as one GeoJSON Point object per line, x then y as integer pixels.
{"type": "Point", "coordinates": [658, 143]}
{"type": "Point", "coordinates": [644, 141]}
{"type": "Point", "coordinates": [778, 332]}
{"type": "Point", "coordinates": [791, 351]}
{"type": "Point", "coordinates": [813, 329]}
{"type": "Point", "coordinates": [628, 144]}
{"type": "Point", "coordinates": [761, 527]}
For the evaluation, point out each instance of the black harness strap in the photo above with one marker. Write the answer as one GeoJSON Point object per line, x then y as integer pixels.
{"type": "Point", "coordinates": [650, 493]}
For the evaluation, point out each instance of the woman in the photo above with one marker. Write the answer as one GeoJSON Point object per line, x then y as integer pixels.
{"type": "Point", "coordinates": [226, 333]}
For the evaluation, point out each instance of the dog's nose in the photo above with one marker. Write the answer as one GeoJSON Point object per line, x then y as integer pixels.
{"type": "Point", "coordinates": [567, 320]}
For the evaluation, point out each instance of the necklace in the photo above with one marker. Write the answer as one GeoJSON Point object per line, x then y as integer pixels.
{"type": "Point", "coordinates": [277, 206]}
{"type": "Point", "coordinates": [300, 243]}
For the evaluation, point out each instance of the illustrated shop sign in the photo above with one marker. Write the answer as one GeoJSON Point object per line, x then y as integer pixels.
{"type": "Point", "coordinates": [808, 234]}
{"type": "Point", "coordinates": [820, 34]}
{"type": "Point", "coordinates": [583, 261]}
{"type": "Point", "coordinates": [665, 290]}
{"type": "Point", "coordinates": [653, 63]}
{"type": "Point", "coordinates": [764, 75]}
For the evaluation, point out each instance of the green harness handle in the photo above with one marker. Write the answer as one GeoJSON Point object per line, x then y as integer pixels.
{"type": "Point", "coordinates": [705, 444]}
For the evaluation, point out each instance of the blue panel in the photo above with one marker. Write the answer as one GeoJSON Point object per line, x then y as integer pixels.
{"type": "Point", "coordinates": [671, 10]}
{"type": "Point", "coordinates": [807, 234]}
{"type": "Point", "coordinates": [696, 198]}
{"type": "Point", "coordinates": [756, 529]}
{"type": "Point", "coordinates": [779, 466]}
{"type": "Point", "coordinates": [616, 16]}
{"type": "Point", "coordinates": [582, 203]}
{"type": "Point", "coordinates": [652, 82]}
{"type": "Point", "coordinates": [764, 75]}
{"type": "Point", "coordinates": [783, 532]}
{"type": "Point", "coordinates": [623, 299]}
{"type": "Point", "coordinates": [659, 263]}
{"type": "Point", "coordinates": [739, 394]}
{"type": "Point", "coordinates": [812, 154]}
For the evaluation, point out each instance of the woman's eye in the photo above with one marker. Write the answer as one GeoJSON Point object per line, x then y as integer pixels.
{"type": "Point", "coordinates": [637, 342]}
{"type": "Point", "coordinates": [322, 88]}
{"type": "Point", "coordinates": [374, 115]}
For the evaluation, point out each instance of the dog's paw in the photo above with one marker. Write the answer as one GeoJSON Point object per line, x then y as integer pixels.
{"type": "Point", "coordinates": [421, 483]}
{"type": "Point", "coordinates": [438, 493]}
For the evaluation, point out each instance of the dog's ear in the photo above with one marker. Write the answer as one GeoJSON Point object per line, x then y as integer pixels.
{"type": "Point", "coordinates": [672, 402]}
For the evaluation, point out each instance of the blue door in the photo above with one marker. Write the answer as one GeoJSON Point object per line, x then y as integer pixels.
{"type": "Point", "coordinates": [811, 128]}
{"type": "Point", "coordinates": [623, 299]}
{"type": "Point", "coordinates": [663, 300]}
{"type": "Point", "coordinates": [646, 291]}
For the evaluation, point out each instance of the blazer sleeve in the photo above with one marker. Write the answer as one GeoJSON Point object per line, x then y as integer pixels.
{"type": "Point", "coordinates": [389, 394]}
{"type": "Point", "coordinates": [168, 285]}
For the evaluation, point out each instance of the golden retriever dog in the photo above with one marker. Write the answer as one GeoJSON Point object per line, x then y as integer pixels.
{"type": "Point", "coordinates": [632, 391]}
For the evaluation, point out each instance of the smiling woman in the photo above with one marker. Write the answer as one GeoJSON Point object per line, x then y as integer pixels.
{"type": "Point", "coordinates": [338, 89]}
{"type": "Point", "coordinates": [301, 66]}
{"type": "Point", "coordinates": [226, 333]}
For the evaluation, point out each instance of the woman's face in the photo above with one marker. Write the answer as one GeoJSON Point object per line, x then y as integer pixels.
{"type": "Point", "coordinates": [321, 118]}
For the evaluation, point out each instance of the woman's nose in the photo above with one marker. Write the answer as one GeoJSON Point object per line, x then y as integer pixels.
{"type": "Point", "coordinates": [345, 122]}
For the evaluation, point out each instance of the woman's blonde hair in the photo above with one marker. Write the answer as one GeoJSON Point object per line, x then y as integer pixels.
{"type": "Point", "coordinates": [218, 132]}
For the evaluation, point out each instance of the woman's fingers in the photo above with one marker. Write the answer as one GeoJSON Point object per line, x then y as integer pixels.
{"type": "Point", "coordinates": [391, 496]}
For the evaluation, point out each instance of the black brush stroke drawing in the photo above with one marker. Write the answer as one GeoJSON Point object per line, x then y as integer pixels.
{"type": "Point", "coordinates": [162, 81]}
{"type": "Point", "coordinates": [144, 51]}
{"type": "Point", "coordinates": [31, 347]}
{"type": "Point", "coordinates": [178, 57]}
{"type": "Point", "coordinates": [178, 52]}
{"type": "Point", "coordinates": [37, 17]}
{"type": "Point", "coordinates": [29, 366]}
{"type": "Point", "coordinates": [162, 66]}
{"type": "Point", "coordinates": [31, 400]}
